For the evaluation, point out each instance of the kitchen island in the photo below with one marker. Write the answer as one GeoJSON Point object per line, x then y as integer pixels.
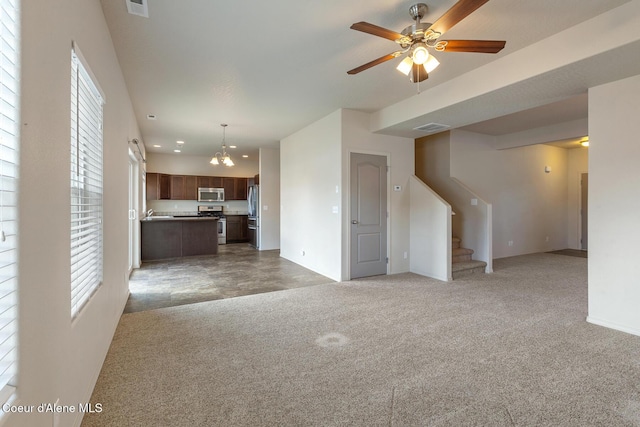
{"type": "Point", "coordinates": [174, 237]}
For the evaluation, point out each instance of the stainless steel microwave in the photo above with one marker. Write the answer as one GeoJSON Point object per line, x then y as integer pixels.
{"type": "Point", "coordinates": [210, 194]}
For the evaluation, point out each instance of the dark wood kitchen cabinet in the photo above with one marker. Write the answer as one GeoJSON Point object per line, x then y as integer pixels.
{"type": "Point", "coordinates": [153, 186]}
{"type": "Point", "coordinates": [185, 187]}
{"type": "Point", "coordinates": [229, 188]}
{"type": "Point", "coordinates": [210, 182]}
{"type": "Point", "coordinates": [178, 237]}
{"type": "Point", "coordinates": [177, 187]}
{"type": "Point", "coordinates": [191, 187]}
{"type": "Point", "coordinates": [241, 188]}
{"type": "Point", "coordinates": [235, 188]}
{"type": "Point", "coordinates": [165, 186]}
{"type": "Point", "coordinates": [158, 186]}
{"type": "Point", "coordinates": [237, 229]}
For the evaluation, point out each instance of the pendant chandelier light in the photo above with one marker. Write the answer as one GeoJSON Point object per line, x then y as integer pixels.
{"type": "Point", "coordinates": [223, 157]}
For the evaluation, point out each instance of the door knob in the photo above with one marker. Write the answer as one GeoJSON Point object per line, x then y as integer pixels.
{"type": "Point", "coordinates": [353, 221]}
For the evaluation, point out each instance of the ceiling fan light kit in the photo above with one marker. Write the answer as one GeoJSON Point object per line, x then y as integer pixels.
{"type": "Point", "coordinates": [416, 39]}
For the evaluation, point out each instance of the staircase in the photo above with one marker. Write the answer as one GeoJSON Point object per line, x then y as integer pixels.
{"type": "Point", "coordinates": [461, 263]}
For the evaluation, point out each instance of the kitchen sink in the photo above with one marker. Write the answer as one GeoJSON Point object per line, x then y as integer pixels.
{"type": "Point", "coordinates": [149, 218]}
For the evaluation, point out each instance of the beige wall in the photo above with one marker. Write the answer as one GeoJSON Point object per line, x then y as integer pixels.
{"type": "Point", "coordinates": [528, 204]}
{"type": "Point", "coordinates": [60, 358]}
{"type": "Point", "coordinates": [269, 199]}
{"type": "Point", "coordinates": [314, 164]}
{"type": "Point", "coordinates": [356, 138]}
{"type": "Point", "coordinates": [179, 164]}
{"type": "Point", "coordinates": [614, 203]}
{"type": "Point", "coordinates": [472, 223]}
{"type": "Point", "coordinates": [310, 186]}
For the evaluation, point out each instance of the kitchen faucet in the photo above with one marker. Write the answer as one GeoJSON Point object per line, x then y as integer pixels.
{"type": "Point", "coordinates": [150, 212]}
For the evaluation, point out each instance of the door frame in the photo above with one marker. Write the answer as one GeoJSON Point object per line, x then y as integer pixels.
{"type": "Point", "coordinates": [579, 242]}
{"type": "Point", "coordinates": [133, 194]}
{"type": "Point", "coordinates": [346, 218]}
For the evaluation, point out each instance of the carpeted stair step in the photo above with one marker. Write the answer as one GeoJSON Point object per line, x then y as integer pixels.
{"type": "Point", "coordinates": [455, 242]}
{"type": "Point", "coordinates": [461, 255]}
{"type": "Point", "coordinates": [462, 269]}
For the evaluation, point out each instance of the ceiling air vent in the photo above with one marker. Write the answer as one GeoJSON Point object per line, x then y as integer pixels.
{"type": "Point", "coordinates": [432, 127]}
{"type": "Point", "coordinates": [138, 7]}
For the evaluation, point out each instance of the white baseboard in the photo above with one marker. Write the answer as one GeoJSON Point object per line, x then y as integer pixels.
{"type": "Point", "coordinates": [613, 325]}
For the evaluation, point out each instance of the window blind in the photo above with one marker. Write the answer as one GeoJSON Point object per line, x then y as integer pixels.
{"type": "Point", "coordinates": [86, 185]}
{"type": "Point", "coordinates": [9, 141]}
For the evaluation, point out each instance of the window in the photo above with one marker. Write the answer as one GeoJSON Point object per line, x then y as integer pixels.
{"type": "Point", "coordinates": [86, 184]}
{"type": "Point", "coordinates": [9, 140]}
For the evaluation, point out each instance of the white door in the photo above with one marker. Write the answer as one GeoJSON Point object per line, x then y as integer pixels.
{"type": "Point", "coordinates": [368, 215]}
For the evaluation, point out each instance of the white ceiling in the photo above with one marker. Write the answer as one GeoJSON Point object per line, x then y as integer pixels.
{"type": "Point", "coordinates": [271, 68]}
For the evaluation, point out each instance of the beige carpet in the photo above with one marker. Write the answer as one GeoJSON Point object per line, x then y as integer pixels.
{"type": "Point", "coordinates": [509, 348]}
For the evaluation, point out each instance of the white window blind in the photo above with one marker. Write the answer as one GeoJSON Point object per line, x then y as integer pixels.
{"type": "Point", "coordinates": [9, 140]}
{"type": "Point", "coordinates": [86, 185]}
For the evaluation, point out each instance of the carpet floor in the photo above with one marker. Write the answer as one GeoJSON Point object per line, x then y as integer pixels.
{"type": "Point", "coordinates": [571, 252]}
{"type": "Point", "coordinates": [502, 349]}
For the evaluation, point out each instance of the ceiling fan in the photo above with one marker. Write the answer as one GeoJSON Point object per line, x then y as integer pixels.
{"type": "Point", "coordinates": [417, 38]}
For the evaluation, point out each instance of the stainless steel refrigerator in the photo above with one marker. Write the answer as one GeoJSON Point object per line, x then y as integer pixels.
{"type": "Point", "coordinates": [253, 208]}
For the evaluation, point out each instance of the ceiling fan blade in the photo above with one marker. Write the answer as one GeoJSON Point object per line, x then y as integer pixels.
{"type": "Point", "coordinates": [374, 63]}
{"type": "Point", "coordinates": [418, 73]}
{"type": "Point", "coordinates": [365, 27]}
{"type": "Point", "coordinates": [457, 13]}
{"type": "Point", "coordinates": [480, 46]}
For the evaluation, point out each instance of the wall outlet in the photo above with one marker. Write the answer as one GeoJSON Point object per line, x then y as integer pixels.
{"type": "Point", "coordinates": [334, 209]}
{"type": "Point", "coordinates": [405, 254]}
{"type": "Point", "coordinates": [510, 242]}
{"type": "Point", "coordinates": [265, 208]}
{"type": "Point", "coordinates": [546, 239]}
{"type": "Point", "coordinates": [474, 202]}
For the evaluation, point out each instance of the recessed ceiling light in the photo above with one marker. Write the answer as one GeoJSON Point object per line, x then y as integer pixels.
{"type": "Point", "coordinates": [157, 146]}
{"type": "Point", "coordinates": [151, 116]}
{"type": "Point", "coordinates": [176, 151]}
{"type": "Point", "coordinates": [245, 156]}
{"type": "Point", "coordinates": [179, 142]}
{"type": "Point", "coordinates": [233, 146]}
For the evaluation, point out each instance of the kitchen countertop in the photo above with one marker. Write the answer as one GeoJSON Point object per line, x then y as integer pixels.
{"type": "Point", "coordinates": [179, 218]}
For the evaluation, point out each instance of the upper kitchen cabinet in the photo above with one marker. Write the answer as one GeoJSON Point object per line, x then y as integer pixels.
{"type": "Point", "coordinates": [158, 186]}
{"type": "Point", "coordinates": [210, 182]}
{"type": "Point", "coordinates": [241, 188]}
{"type": "Point", "coordinates": [177, 187]}
{"type": "Point", "coordinates": [191, 187]}
{"type": "Point", "coordinates": [235, 188]}
{"type": "Point", "coordinates": [185, 187]}
{"type": "Point", "coordinates": [165, 186]}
